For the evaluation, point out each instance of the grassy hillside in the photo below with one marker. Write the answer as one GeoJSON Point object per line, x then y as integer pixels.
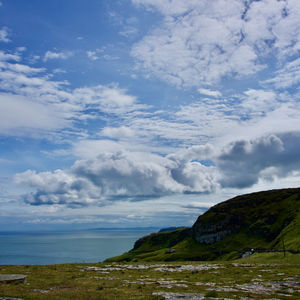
{"type": "Point", "coordinates": [264, 220]}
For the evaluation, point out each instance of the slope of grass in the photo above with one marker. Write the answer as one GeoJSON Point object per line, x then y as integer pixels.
{"type": "Point", "coordinates": [264, 220]}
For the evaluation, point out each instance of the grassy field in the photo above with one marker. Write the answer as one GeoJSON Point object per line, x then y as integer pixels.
{"type": "Point", "coordinates": [261, 276]}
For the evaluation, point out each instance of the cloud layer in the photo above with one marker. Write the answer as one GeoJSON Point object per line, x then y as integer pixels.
{"type": "Point", "coordinates": [230, 126]}
{"type": "Point", "coordinates": [202, 42]}
{"type": "Point", "coordinates": [33, 103]}
{"type": "Point", "coordinates": [264, 158]}
{"type": "Point", "coordinates": [119, 175]}
{"type": "Point", "coordinates": [139, 176]}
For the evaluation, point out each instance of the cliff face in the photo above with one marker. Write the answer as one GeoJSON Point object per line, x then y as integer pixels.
{"type": "Point", "coordinates": [262, 214]}
{"type": "Point", "coordinates": [212, 232]}
{"type": "Point", "coordinates": [260, 220]}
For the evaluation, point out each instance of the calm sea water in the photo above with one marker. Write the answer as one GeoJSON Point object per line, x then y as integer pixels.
{"type": "Point", "coordinates": [65, 247]}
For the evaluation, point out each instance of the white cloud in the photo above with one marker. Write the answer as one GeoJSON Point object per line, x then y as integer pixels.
{"type": "Point", "coordinates": [21, 49]}
{"type": "Point", "coordinates": [116, 176]}
{"type": "Point", "coordinates": [287, 30]}
{"type": "Point", "coordinates": [92, 55]}
{"type": "Point", "coordinates": [287, 76]}
{"type": "Point", "coordinates": [33, 59]}
{"type": "Point", "coordinates": [170, 7]}
{"type": "Point", "coordinates": [201, 42]}
{"type": "Point", "coordinates": [260, 101]}
{"type": "Point", "coordinates": [196, 152]}
{"type": "Point", "coordinates": [110, 57]}
{"type": "Point", "coordinates": [251, 114]}
{"type": "Point", "coordinates": [209, 92]}
{"type": "Point", "coordinates": [4, 35]}
{"type": "Point", "coordinates": [197, 43]}
{"type": "Point", "coordinates": [57, 55]}
{"type": "Point", "coordinates": [128, 31]}
{"type": "Point", "coordinates": [95, 54]}
{"type": "Point", "coordinates": [58, 70]}
{"type": "Point", "coordinates": [119, 132]}
{"type": "Point", "coordinates": [8, 57]}
{"type": "Point", "coordinates": [33, 88]}
{"type": "Point", "coordinates": [109, 99]}
{"type": "Point", "coordinates": [89, 149]}
{"type": "Point", "coordinates": [19, 115]}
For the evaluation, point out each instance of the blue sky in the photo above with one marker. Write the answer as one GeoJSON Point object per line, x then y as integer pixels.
{"type": "Point", "coordinates": [144, 112]}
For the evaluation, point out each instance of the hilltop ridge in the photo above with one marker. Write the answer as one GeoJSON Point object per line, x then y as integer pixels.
{"type": "Point", "coordinates": [264, 221]}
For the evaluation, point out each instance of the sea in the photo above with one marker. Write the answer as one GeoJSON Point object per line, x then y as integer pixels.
{"type": "Point", "coordinates": [43, 248]}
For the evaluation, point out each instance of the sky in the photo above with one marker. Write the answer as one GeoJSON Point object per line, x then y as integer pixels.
{"type": "Point", "coordinates": [138, 113]}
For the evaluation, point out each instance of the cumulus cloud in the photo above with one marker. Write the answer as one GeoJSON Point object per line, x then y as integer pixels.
{"type": "Point", "coordinates": [59, 187]}
{"type": "Point", "coordinates": [197, 152]}
{"type": "Point", "coordinates": [115, 176]}
{"type": "Point", "coordinates": [244, 162]}
{"type": "Point", "coordinates": [201, 42]}
{"type": "Point", "coordinates": [57, 55]}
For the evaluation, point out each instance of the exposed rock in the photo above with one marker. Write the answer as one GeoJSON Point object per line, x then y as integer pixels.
{"type": "Point", "coordinates": [262, 288]}
{"type": "Point", "coordinates": [92, 269]}
{"type": "Point", "coordinates": [41, 291]}
{"type": "Point", "coordinates": [212, 231]}
{"type": "Point", "coordinates": [9, 298]}
{"type": "Point", "coordinates": [169, 251]}
{"type": "Point", "coordinates": [175, 296]}
{"type": "Point", "coordinates": [157, 267]}
{"type": "Point", "coordinates": [12, 278]}
{"type": "Point", "coordinates": [247, 254]}
{"type": "Point", "coordinates": [205, 283]}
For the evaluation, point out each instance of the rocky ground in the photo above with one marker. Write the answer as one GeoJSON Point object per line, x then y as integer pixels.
{"type": "Point", "coordinates": [155, 281]}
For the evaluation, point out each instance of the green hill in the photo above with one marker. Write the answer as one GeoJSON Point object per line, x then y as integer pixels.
{"type": "Point", "coordinates": [263, 221]}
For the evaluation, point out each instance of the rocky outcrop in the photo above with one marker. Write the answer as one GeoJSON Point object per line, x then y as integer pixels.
{"type": "Point", "coordinates": [210, 231]}
{"type": "Point", "coordinates": [12, 278]}
{"type": "Point", "coordinates": [261, 214]}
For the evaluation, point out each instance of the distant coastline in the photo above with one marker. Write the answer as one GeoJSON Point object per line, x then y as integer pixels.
{"type": "Point", "coordinates": [61, 230]}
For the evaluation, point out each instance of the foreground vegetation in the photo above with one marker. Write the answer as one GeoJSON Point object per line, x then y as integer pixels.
{"type": "Point", "coordinates": [261, 276]}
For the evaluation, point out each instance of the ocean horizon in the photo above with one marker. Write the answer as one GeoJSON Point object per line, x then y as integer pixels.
{"type": "Point", "coordinates": [57, 247]}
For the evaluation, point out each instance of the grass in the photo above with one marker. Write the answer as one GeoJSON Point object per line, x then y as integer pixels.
{"type": "Point", "coordinates": [262, 220]}
{"type": "Point", "coordinates": [261, 276]}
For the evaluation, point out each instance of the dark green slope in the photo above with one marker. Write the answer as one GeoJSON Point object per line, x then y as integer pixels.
{"type": "Point", "coordinates": [268, 220]}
